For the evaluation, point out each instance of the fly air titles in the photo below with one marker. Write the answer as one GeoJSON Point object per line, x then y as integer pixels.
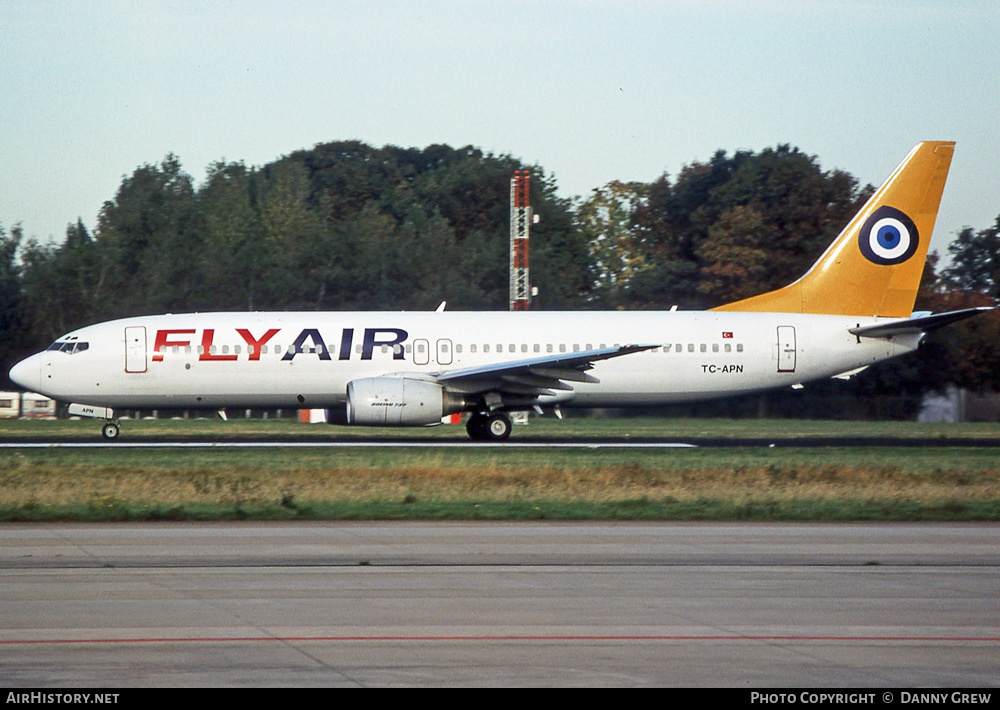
{"type": "Point", "coordinates": [308, 341]}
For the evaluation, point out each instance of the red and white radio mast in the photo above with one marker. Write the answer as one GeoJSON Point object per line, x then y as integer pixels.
{"type": "Point", "coordinates": [520, 226]}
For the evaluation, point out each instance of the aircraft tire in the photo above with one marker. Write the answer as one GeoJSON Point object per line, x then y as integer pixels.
{"type": "Point", "coordinates": [110, 431]}
{"type": "Point", "coordinates": [498, 427]}
{"type": "Point", "coordinates": [476, 427]}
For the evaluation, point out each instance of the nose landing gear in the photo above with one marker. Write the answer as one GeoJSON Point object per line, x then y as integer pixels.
{"type": "Point", "coordinates": [111, 427]}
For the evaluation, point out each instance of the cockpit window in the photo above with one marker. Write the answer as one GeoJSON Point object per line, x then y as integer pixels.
{"type": "Point", "coordinates": [70, 347]}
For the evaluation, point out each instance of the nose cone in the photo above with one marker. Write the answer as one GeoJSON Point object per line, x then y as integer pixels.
{"type": "Point", "coordinates": [28, 374]}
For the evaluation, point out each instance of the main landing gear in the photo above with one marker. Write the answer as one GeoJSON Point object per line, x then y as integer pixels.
{"type": "Point", "coordinates": [488, 427]}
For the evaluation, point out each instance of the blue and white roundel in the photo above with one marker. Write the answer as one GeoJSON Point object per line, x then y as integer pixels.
{"type": "Point", "coordinates": [888, 237]}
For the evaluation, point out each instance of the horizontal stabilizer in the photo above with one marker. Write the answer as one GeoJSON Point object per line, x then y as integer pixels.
{"type": "Point", "coordinates": [921, 324]}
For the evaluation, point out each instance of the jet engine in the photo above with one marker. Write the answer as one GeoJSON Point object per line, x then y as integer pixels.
{"type": "Point", "coordinates": [395, 401]}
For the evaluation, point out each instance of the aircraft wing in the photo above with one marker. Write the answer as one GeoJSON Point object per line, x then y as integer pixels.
{"type": "Point", "coordinates": [534, 376]}
{"type": "Point", "coordinates": [920, 324]}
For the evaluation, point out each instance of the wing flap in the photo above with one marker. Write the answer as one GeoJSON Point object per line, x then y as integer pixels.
{"type": "Point", "coordinates": [563, 374]}
{"type": "Point", "coordinates": [537, 377]}
{"type": "Point", "coordinates": [535, 381]}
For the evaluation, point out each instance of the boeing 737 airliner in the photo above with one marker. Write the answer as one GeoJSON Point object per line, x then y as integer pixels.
{"type": "Point", "coordinates": [852, 309]}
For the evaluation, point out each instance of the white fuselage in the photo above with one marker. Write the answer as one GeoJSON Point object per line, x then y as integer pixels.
{"type": "Point", "coordinates": [306, 359]}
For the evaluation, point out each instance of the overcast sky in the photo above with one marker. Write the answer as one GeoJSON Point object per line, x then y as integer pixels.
{"type": "Point", "coordinates": [590, 90]}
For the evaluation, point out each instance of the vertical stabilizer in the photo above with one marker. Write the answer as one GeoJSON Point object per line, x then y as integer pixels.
{"type": "Point", "coordinates": [874, 266]}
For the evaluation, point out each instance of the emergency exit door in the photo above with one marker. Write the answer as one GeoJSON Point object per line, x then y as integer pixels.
{"type": "Point", "coordinates": [444, 352]}
{"type": "Point", "coordinates": [135, 348]}
{"type": "Point", "coordinates": [421, 352]}
{"type": "Point", "coordinates": [786, 348]}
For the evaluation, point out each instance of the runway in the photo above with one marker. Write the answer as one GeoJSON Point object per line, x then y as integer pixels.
{"type": "Point", "coordinates": [514, 443]}
{"type": "Point", "coordinates": [493, 604]}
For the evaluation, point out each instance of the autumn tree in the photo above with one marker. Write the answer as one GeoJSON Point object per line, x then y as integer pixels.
{"type": "Point", "coordinates": [617, 252]}
{"type": "Point", "coordinates": [739, 225]}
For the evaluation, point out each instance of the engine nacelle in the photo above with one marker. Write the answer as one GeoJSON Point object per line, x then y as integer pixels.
{"type": "Point", "coordinates": [397, 401]}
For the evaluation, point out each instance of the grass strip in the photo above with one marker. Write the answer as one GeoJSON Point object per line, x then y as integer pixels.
{"type": "Point", "coordinates": [40, 490]}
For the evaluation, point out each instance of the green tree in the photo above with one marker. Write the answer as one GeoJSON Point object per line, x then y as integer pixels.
{"type": "Point", "coordinates": [62, 284]}
{"type": "Point", "coordinates": [12, 326]}
{"type": "Point", "coordinates": [232, 260]}
{"type": "Point", "coordinates": [298, 250]}
{"type": "Point", "coordinates": [148, 250]}
{"type": "Point", "coordinates": [975, 261]}
{"type": "Point", "coordinates": [452, 201]}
